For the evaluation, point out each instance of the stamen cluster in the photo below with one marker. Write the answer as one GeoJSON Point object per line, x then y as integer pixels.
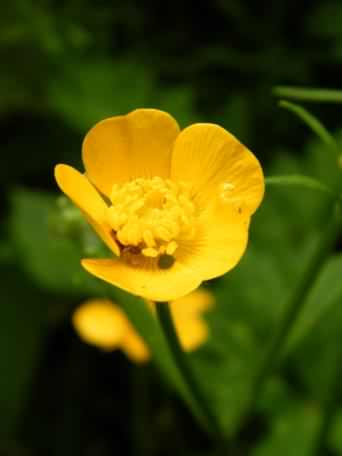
{"type": "Point", "coordinates": [149, 215]}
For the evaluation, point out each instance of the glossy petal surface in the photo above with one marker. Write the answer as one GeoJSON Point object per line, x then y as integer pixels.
{"type": "Point", "coordinates": [218, 166]}
{"type": "Point", "coordinates": [219, 244]}
{"type": "Point", "coordinates": [150, 283]}
{"type": "Point", "coordinates": [122, 148]}
{"type": "Point", "coordinates": [77, 187]}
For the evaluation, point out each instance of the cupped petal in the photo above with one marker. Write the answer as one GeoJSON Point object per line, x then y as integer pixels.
{"type": "Point", "coordinates": [121, 148]}
{"type": "Point", "coordinates": [99, 322]}
{"type": "Point", "coordinates": [217, 165]}
{"type": "Point", "coordinates": [219, 244]}
{"type": "Point", "coordinates": [149, 283]}
{"type": "Point", "coordinates": [77, 187]}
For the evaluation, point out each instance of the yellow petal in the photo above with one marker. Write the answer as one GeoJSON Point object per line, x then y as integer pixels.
{"type": "Point", "coordinates": [187, 317]}
{"type": "Point", "coordinates": [99, 322]}
{"type": "Point", "coordinates": [217, 165]}
{"type": "Point", "coordinates": [77, 187]}
{"type": "Point", "coordinates": [194, 303]}
{"type": "Point", "coordinates": [134, 346]}
{"type": "Point", "coordinates": [192, 332]}
{"type": "Point", "coordinates": [154, 284]}
{"type": "Point", "coordinates": [218, 246]}
{"type": "Point", "coordinates": [187, 314]}
{"type": "Point", "coordinates": [126, 147]}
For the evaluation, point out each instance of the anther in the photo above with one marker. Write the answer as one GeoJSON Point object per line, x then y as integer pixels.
{"type": "Point", "coordinates": [150, 252]}
{"type": "Point", "coordinates": [151, 214]}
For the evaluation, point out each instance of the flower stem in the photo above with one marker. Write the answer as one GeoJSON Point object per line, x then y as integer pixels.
{"type": "Point", "coordinates": [195, 395]}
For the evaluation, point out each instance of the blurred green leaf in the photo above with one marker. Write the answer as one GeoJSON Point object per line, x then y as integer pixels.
{"type": "Point", "coordinates": [335, 434]}
{"type": "Point", "coordinates": [53, 262]}
{"type": "Point", "coordinates": [320, 165]}
{"type": "Point", "coordinates": [305, 94]}
{"type": "Point", "coordinates": [326, 293]}
{"type": "Point", "coordinates": [293, 431]}
{"type": "Point", "coordinates": [236, 117]}
{"type": "Point", "coordinates": [178, 101]}
{"type": "Point", "coordinates": [23, 317]}
{"type": "Point", "coordinates": [300, 181]}
{"type": "Point", "coordinates": [244, 318]}
{"type": "Point", "coordinates": [318, 356]}
{"type": "Point", "coordinates": [87, 92]}
{"type": "Point", "coordinates": [312, 122]}
{"type": "Point", "coordinates": [324, 23]}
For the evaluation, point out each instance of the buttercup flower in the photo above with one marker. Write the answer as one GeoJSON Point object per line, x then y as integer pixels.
{"type": "Point", "coordinates": [102, 323]}
{"type": "Point", "coordinates": [173, 206]}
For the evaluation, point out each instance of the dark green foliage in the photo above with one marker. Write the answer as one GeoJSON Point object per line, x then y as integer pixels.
{"type": "Point", "coordinates": [67, 65]}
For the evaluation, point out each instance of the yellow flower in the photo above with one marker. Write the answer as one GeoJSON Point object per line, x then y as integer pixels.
{"type": "Point", "coordinates": [173, 206]}
{"type": "Point", "coordinates": [102, 323]}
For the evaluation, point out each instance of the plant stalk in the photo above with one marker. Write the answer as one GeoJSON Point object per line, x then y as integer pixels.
{"type": "Point", "coordinates": [194, 391]}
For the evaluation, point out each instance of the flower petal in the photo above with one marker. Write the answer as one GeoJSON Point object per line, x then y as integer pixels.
{"type": "Point", "coordinates": [192, 304]}
{"type": "Point", "coordinates": [217, 165]}
{"type": "Point", "coordinates": [220, 243]}
{"type": "Point", "coordinates": [192, 332]}
{"type": "Point", "coordinates": [121, 148]}
{"type": "Point", "coordinates": [134, 346]}
{"type": "Point", "coordinates": [99, 322]}
{"type": "Point", "coordinates": [77, 187]}
{"type": "Point", "coordinates": [154, 284]}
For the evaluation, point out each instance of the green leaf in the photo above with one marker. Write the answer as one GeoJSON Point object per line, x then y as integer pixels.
{"type": "Point", "coordinates": [309, 94]}
{"type": "Point", "coordinates": [315, 340]}
{"type": "Point", "coordinates": [293, 431]}
{"type": "Point", "coordinates": [312, 122]}
{"type": "Point", "coordinates": [335, 434]}
{"type": "Point", "coordinates": [89, 91]}
{"type": "Point", "coordinates": [54, 263]}
{"type": "Point", "coordinates": [23, 315]}
{"type": "Point", "coordinates": [244, 317]}
{"type": "Point", "coordinates": [51, 260]}
{"type": "Point", "coordinates": [326, 293]}
{"type": "Point", "coordinates": [299, 181]}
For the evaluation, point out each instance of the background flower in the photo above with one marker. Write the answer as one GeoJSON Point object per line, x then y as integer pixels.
{"type": "Point", "coordinates": [103, 323]}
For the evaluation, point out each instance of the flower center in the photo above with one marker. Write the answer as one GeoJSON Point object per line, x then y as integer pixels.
{"type": "Point", "coordinates": [149, 215]}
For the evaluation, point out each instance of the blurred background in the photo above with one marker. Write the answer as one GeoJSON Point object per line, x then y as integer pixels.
{"type": "Point", "coordinates": [67, 65]}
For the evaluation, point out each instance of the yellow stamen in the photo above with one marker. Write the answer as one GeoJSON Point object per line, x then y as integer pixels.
{"type": "Point", "coordinates": [171, 247]}
{"type": "Point", "coordinates": [151, 214]}
{"type": "Point", "coordinates": [150, 252]}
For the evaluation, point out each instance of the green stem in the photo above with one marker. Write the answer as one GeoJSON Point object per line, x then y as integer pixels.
{"type": "Point", "coordinates": [194, 391]}
{"type": "Point", "coordinates": [305, 94]}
